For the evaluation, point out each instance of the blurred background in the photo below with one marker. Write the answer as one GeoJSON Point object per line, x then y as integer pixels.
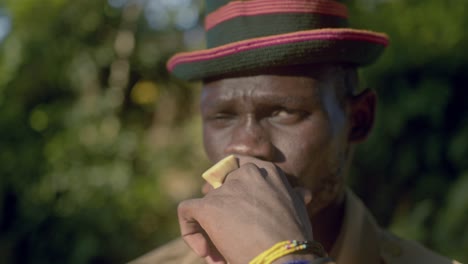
{"type": "Point", "coordinates": [98, 143]}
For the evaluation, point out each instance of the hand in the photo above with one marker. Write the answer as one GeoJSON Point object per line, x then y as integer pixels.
{"type": "Point", "coordinates": [255, 208]}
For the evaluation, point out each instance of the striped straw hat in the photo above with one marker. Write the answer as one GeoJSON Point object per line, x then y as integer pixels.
{"type": "Point", "coordinates": [247, 35]}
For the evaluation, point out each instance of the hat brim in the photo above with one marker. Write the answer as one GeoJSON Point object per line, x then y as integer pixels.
{"type": "Point", "coordinates": [329, 45]}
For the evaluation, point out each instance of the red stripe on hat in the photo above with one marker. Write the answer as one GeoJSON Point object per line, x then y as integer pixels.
{"type": "Point", "coordinates": [301, 36]}
{"type": "Point", "coordinates": [261, 7]}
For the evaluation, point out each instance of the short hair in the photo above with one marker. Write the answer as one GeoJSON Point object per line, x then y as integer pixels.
{"type": "Point", "coordinates": [345, 79]}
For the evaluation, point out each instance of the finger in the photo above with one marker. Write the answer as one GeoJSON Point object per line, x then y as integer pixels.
{"type": "Point", "coordinates": [193, 233]}
{"type": "Point", "coordinates": [270, 171]}
{"type": "Point", "coordinates": [211, 260]}
{"type": "Point", "coordinates": [207, 188]}
{"type": "Point", "coordinates": [243, 160]}
{"type": "Point", "coordinates": [247, 173]}
{"type": "Point", "coordinates": [190, 229]}
{"type": "Point", "coordinates": [214, 257]}
{"type": "Point", "coordinates": [199, 243]}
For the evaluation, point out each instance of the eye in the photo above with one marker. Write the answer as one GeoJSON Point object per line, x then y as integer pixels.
{"type": "Point", "coordinates": [223, 115]}
{"type": "Point", "coordinates": [220, 119]}
{"type": "Point", "coordinates": [287, 116]}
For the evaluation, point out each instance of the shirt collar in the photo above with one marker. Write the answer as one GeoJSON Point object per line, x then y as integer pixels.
{"type": "Point", "coordinates": [358, 242]}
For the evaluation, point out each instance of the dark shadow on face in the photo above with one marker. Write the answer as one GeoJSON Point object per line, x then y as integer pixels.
{"type": "Point", "coordinates": [278, 155]}
{"type": "Point", "coordinates": [311, 70]}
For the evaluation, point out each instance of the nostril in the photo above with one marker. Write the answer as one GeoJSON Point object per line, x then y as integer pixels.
{"type": "Point", "coordinates": [238, 149]}
{"type": "Point", "coordinates": [251, 139]}
{"type": "Point", "coordinates": [264, 150]}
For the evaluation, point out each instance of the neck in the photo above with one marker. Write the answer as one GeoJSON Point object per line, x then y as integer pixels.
{"type": "Point", "coordinates": [326, 224]}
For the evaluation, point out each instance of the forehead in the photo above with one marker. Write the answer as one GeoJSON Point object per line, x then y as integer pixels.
{"type": "Point", "coordinates": [298, 83]}
{"type": "Point", "coordinates": [272, 87]}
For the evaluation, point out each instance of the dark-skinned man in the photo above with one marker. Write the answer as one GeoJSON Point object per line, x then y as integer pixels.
{"type": "Point", "coordinates": [280, 93]}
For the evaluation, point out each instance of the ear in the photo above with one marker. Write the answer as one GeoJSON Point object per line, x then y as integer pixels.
{"type": "Point", "coordinates": [362, 114]}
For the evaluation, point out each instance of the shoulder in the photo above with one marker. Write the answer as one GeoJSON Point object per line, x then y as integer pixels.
{"type": "Point", "coordinates": [174, 252]}
{"type": "Point", "coordinates": [395, 250]}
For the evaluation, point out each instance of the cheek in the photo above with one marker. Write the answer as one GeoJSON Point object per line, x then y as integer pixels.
{"type": "Point", "coordinates": [214, 144]}
{"type": "Point", "coordinates": [326, 173]}
{"type": "Point", "coordinates": [305, 150]}
{"type": "Point", "coordinates": [317, 151]}
{"type": "Point", "coordinates": [314, 155]}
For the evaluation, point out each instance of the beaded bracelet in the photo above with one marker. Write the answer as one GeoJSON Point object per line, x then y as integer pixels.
{"type": "Point", "coordinates": [315, 261]}
{"type": "Point", "coordinates": [287, 247]}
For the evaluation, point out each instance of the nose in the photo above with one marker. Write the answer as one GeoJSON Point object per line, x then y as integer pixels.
{"type": "Point", "coordinates": [249, 138]}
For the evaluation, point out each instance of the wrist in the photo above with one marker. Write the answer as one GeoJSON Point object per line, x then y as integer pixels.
{"type": "Point", "coordinates": [295, 258]}
{"type": "Point", "coordinates": [290, 250]}
{"type": "Point", "coordinates": [317, 260]}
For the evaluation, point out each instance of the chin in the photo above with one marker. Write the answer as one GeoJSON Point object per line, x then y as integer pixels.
{"type": "Point", "coordinates": [329, 193]}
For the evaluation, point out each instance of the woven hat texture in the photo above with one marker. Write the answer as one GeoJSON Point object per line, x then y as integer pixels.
{"type": "Point", "coordinates": [246, 35]}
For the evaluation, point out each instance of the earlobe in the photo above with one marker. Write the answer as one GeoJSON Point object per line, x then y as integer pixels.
{"type": "Point", "coordinates": [362, 114]}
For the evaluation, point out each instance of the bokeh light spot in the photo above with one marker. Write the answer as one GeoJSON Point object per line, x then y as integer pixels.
{"type": "Point", "coordinates": [187, 18]}
{"type": "Point", "coordinates": [38, 120]}
{"type": "Point", "coordinates": [110, 128]}
{"type": "Point", "coordinates": [144, 93]}
{"type": "Point", "coordinates": [117, 3]}
{"type": "Point", "coordinates": [5, 25]}
{"type": "Point", "coordinates": [156, 15]}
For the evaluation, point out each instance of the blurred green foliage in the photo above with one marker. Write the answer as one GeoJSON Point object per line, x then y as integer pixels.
{"type": "Point", "coordinates": [98, 143]}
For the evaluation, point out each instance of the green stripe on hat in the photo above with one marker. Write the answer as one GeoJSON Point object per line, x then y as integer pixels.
{"type": "Point", "coordinates": [251, 35]}
{"type": "Point", "coordinates": [247, 27]}
{"type": "Point", "coordinates": [212, 5]}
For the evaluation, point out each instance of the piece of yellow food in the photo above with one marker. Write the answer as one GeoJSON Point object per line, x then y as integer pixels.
{"type": "Point", "coordinates": [215, 175]}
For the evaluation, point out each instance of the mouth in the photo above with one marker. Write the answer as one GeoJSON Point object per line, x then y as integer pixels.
{"type": "Point", "coordinates": [293, 181]}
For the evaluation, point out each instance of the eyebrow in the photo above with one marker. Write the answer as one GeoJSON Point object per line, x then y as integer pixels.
{"type": "Point", "coordinates": [291, 100]}
{"type": "Point", "coordinates": [268, 99]}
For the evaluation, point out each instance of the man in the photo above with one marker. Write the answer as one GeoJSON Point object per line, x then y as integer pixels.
{"type": "Point", "coordinates": [281, 94]}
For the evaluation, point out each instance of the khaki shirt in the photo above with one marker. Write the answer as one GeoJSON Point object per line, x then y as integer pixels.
{"type": "Point", "coordinates": [361, 241]}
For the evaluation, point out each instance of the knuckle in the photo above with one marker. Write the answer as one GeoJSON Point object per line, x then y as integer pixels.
{"type": "Point", "coordinates": [250, 167]}
{"type": "Point", "coordinates": [181, 207]}
{"type": "Point", "coordinates": [251, 171]}
{"type": "Point", "coordinates": [186, 207]}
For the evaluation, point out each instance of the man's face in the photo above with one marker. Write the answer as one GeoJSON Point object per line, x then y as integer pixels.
{"type": "Point", "coordinates": [296, 122]}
